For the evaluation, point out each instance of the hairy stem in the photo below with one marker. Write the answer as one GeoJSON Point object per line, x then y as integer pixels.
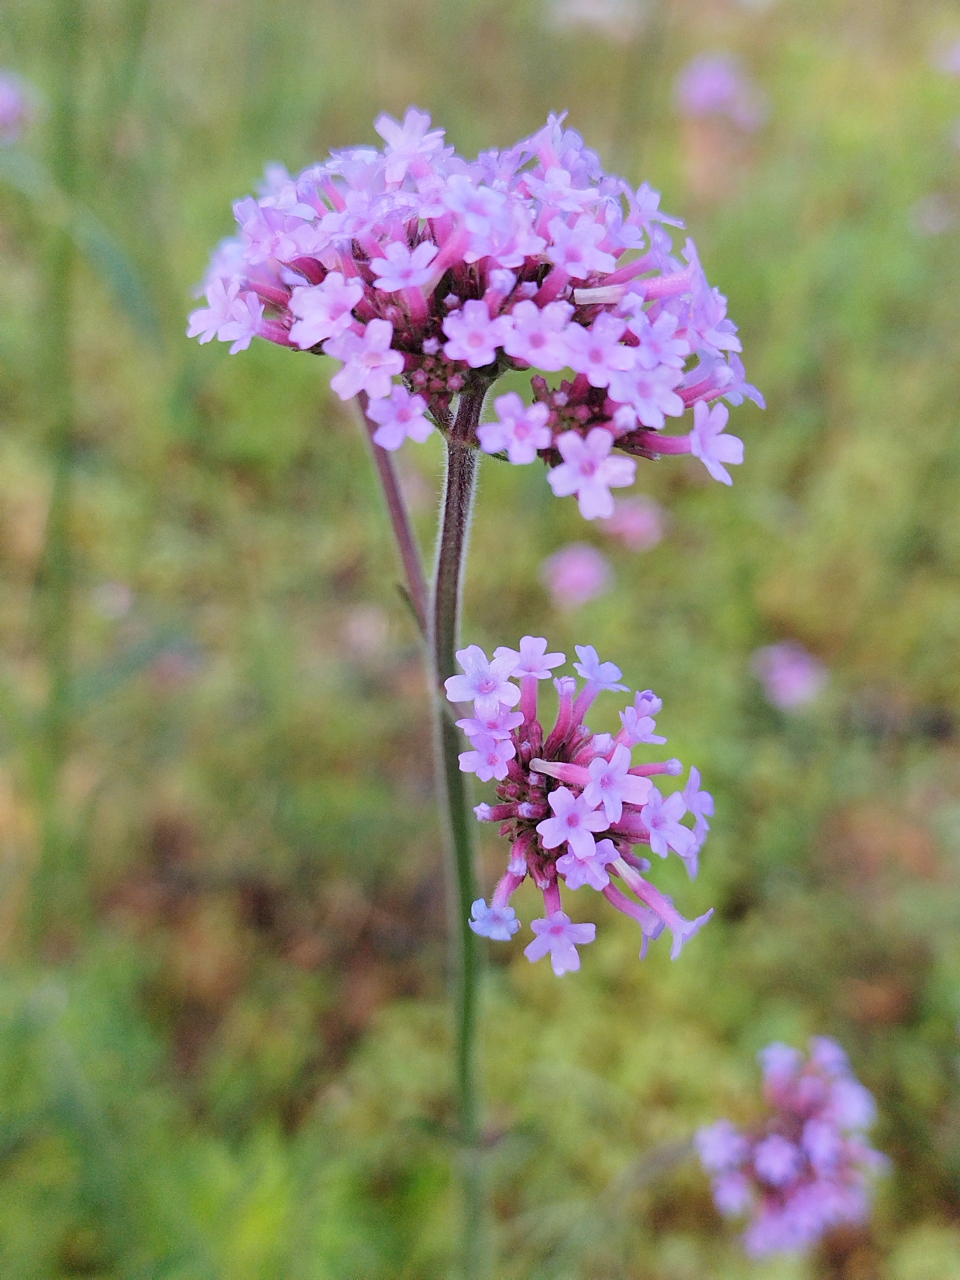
{"type": "Point", "coordinates": [455, 807]}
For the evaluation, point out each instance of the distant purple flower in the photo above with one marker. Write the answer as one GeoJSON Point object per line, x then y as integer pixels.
{"type": "Point", "coordinates": [401, 416]}
{"type": "Point", "coordinates": [790, 676]}
{"type": "Point", "coordinates": [16, 108]}
{"type": "Point", "coordinates": [370, 364]}
{"type": "Point", "coordinates": [809, 1169]}
{"type": "Point", "coordinates": [709, 443]}
{"type": "Point", "coordinates": [559, 939]}
{"type": "Point", "coordinates": [575, 574]}
{"type": "Point", "coordinates": [637, 522]}
{"type": "Point", "coordinates": [588, 471]}
{"type": "Point", "coordinates": [519, 430]}
{"type": "Point", "coordinates": [715, 84]}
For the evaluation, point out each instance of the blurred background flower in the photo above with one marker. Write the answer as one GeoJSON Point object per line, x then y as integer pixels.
{"type": "Point", "coordinates": [575, 574]}
{"type": "Point", "coordinates": [790, 676]}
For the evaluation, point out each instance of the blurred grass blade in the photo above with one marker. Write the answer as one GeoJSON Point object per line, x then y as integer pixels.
{"type": "Point", "coordinates": [88, 233]}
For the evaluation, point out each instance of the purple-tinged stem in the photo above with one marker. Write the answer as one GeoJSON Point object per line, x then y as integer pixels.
{"type": "Point", "coordinates": [406, 540]}
{"type": "Point", "coordinates": [455, 808]}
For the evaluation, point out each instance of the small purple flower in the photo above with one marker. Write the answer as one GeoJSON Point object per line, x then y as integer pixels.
{"type": "Point", "coordinates": [710, 444]}
{"type": "Point", "coordinates": [638, 722]}
{"type": "Point", "coordinates": [205, 322]}
{"type": "Point", "coordinates": [369, 362]}
{"type": "Point", "coordinates": [591, 871]}
{"type": "Point", "coordinates": [401, 416]}
{"type": "Point", "coordinates": [575, 574]}
{"type": "Point", "coordinates": [473, 336]}
{"type": "Point", "coordinates": [403, 269]}
{"type": "Point", "coordinates": [532, 658]}
{"type": "Point", "coordinates": [663, 822]}
{"type": "Point", "coordinates": [658, 343]}
{"type": "Point", "coordinates": [573, 822]}
{"type": "Point", "coordinates": [323, 310]}
{"type": "Point", "coordinates": [537, 336]}
{"type": "Point", "coordinates": [575, 249]}
{"type": "Point", "coordinates": [489, 757]}
{"type": "Point", "coordinates": [611, 784]}
{"type": "Point", "coordinates": [560, 938]}
{"type": "Point", "coordinates": [486, 682]}
{"type": "Point", "coordinates": [519, 430]}
{"type": "Point", "coordinates": [499, 726]}
{"type": "Point", "coordinates": [498, 923]}
{"type": "Point", "coordinates": [604, 676]}
{"type": "Point", "coordinates": [597, 352]}
{"type": "Point", "coordinates": [408, 145]}
{"type": "Point", "coordinates": [699, 803]}
{"type": "Point", "coordinates": [650, 393]}
{"type": "Point", "coordinates": [790, 676]}
{"type": "Point", "coordinates": [588, 471]}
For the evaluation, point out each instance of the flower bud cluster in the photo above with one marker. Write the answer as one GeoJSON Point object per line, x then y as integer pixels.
{"type": "Point", "coordinates": [809, 1168]}
{"type": "Point", "coordinates": [425, 274]}
{"type": "Point", "coordinates": [571, 802]}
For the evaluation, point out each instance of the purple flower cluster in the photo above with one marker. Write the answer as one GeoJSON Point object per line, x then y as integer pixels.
{"type": "Point", "coordinates": [425, 274]}
{"type": "Point", "coordinates": [572, 803]}
{"type": "Point", "coordinates": [808, 1170]}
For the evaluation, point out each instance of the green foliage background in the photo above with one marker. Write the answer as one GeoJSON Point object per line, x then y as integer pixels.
{"type": "Point", "coordinates": [226, 1056]}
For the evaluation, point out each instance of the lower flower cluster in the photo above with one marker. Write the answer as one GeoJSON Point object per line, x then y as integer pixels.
{"type": "Point", "coordinates": [572, 803]}
{"type": "Point", "coordinates": [808, 1169]}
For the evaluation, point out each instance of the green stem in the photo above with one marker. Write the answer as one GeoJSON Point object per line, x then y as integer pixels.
{"type": "Point", "coordinates": [448, 588]}
{"type": "Point", "coordinates": [56, 580]}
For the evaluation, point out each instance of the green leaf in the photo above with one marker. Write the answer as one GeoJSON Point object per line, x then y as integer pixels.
{"type": "Point", "coordinates": [87, 232]}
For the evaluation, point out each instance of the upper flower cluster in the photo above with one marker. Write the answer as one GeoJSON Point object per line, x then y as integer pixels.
{"type": "Point", "coordinates": [808, 1169]}
{"type": "Point", "coordinates": [571, 801]}
{"type": "Point", "coordinates": [411, 263]}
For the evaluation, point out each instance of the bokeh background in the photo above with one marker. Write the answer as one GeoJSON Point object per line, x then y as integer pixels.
{"type": "Point", "coordinates": [223, 1029]}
